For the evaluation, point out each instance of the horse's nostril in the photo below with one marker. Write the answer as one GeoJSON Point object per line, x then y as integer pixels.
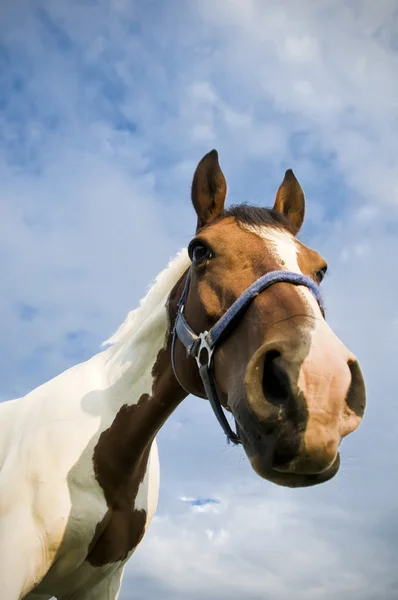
{"type": "Point", "coordinates": [356, 395]}
{"type": "Point", "coordinates": [275, 382]}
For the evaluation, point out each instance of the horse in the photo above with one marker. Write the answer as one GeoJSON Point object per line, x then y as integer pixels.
{"type": "Point", "coordinates": [237, 318]}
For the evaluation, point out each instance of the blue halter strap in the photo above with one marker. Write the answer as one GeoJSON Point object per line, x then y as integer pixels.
{"type": "Point", "coordinates": [201, 347]}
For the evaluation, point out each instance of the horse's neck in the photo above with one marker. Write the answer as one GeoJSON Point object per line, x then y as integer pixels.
{"type": "Point", "coordinates": [143, 393]}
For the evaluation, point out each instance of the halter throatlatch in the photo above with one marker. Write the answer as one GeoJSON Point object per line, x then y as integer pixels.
{"type": "Point", "coordinates": [201, 347]}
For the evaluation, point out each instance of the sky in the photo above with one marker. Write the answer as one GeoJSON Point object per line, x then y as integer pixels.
{"type": "Point", "coordinates": [105, 109]}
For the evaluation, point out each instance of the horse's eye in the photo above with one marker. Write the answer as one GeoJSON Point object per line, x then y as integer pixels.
{"type": "Point", "coordinates": [199, 253]}
{"type": "Point", "coordinates": [321, 273]}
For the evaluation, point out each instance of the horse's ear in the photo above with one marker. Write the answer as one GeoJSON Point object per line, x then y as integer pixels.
{"type": "Point", "coordinates": [209, 190]}
{"type": "Point", "coordinates": [290, 200]}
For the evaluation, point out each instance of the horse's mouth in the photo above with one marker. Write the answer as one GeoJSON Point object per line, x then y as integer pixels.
{"type": "Point", "coordinates": [260, 440]}
{"type": "Point", "coordinates": [294, 479]}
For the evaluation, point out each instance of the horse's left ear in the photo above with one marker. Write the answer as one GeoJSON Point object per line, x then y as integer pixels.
{"type": "Point", "coordinates": [209, 190]}
{"type": "Point", "coordinates": [290, 200]}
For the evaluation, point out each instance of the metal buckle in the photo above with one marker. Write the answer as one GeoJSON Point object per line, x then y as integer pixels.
{"type": "Point", "coordinates": [204, 345]}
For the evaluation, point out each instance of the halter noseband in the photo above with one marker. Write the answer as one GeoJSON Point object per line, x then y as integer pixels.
{"type": "Point", "coordinates": [201, 347]}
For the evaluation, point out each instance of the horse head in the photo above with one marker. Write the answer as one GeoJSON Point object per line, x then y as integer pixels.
{"type": "Point", "coordinates": [265, 352]}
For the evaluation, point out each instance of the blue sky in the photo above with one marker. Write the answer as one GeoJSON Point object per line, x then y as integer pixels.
{"type": "Point", "coordinates": [105, 109]}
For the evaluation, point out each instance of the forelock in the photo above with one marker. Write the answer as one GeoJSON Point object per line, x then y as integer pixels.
{"type": "Point", "coordinates": [256, 216]}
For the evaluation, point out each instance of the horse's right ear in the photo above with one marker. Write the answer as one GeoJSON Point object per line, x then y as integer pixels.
{"type": "Point", "coordinates": [209, 190]}
{"type": "Point", "coordinates": [290, 201]}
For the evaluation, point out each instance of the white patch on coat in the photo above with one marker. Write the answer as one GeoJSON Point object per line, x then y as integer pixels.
{"type": "Point", "coordinates": [281, 244]}
{"type": "Point", "coordinates": [284, 249]}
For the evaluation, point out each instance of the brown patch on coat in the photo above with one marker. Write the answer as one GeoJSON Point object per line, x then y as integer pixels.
{"type": "Point", "coordinates": [120, 470]}
{"type": "Point", "coordinates": [121, 460]}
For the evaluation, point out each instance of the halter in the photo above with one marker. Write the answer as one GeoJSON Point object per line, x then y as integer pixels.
{"type": "Point", "coordinates": [201, 347]}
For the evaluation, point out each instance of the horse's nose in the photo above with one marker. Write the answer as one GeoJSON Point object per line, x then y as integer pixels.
{"type": "Point", "coordinates": [309, 390]}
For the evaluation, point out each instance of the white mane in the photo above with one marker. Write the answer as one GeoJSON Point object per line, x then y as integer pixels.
{"type": "Point", "coordinates": [155, 298]}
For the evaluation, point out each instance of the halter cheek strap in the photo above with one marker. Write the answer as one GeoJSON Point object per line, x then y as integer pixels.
{"type": "Point", "coordinates": [201, 347]}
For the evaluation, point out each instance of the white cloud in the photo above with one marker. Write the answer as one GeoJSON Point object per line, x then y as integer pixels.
{"type": "Point", "coordinates": [326, 68]}
{"type": "Point", "coordinates": [261, 547]}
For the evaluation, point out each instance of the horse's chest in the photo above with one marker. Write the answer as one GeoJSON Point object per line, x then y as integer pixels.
{"type": "Point", "coordinates": [115, 537]}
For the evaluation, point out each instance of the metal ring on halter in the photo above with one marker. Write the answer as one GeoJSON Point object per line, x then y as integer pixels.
{"type": "Point", "coordinates": [204, 345]}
